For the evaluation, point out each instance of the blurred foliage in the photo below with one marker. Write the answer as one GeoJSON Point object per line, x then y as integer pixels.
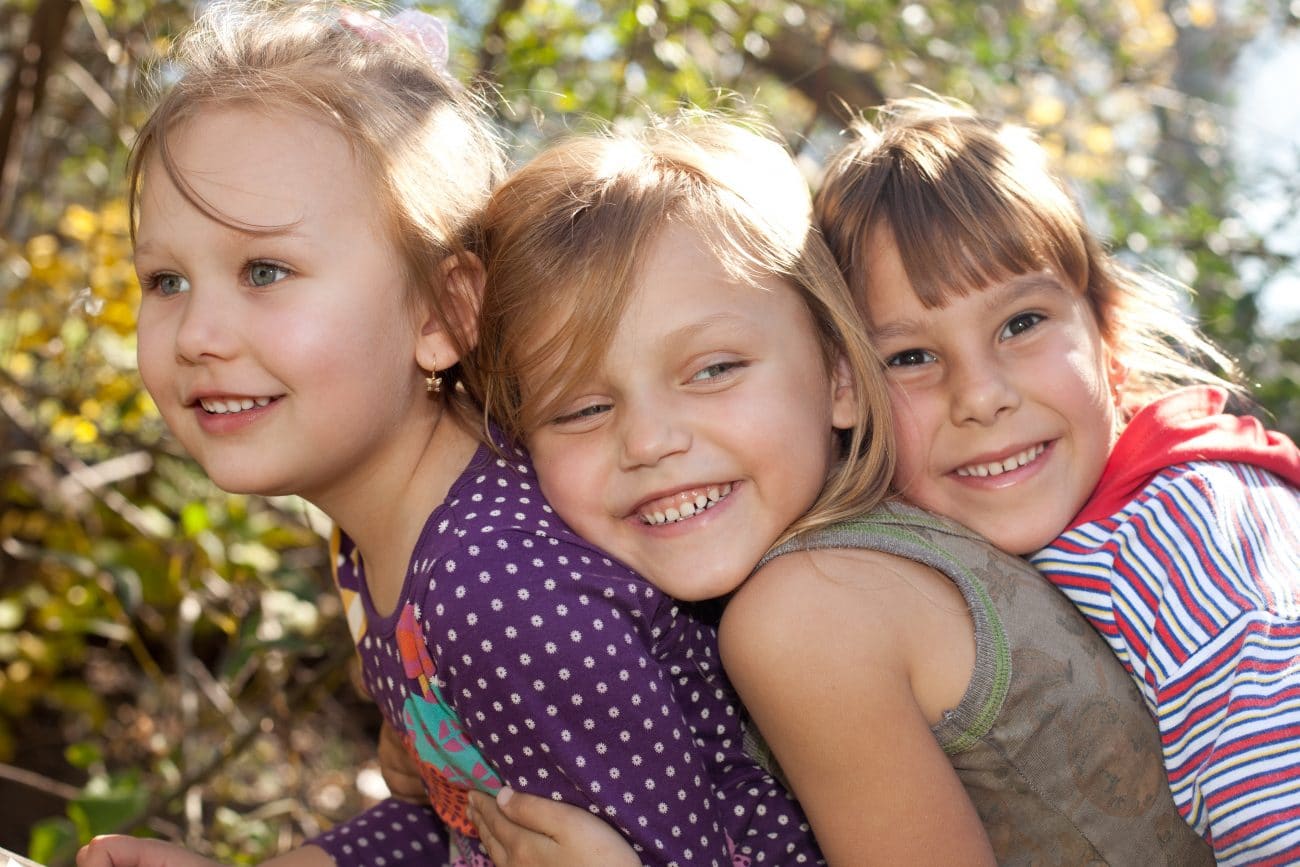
{"type": "Point", "coordinates": [172, 657]}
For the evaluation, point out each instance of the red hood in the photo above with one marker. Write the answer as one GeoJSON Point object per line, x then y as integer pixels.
{"type": "Point", "coordinates": [1187, 425]}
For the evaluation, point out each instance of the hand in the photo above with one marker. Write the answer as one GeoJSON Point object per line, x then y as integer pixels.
{"type": "Point", "coordinates": [113, 850]}
{"type": "Point", "coordinates": [398, 768]}
{"type": "Point", "coordinates": [521, 830]}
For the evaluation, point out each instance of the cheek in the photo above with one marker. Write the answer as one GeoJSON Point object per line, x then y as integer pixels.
{"type": "Point", "coordinates": [913, 440]}
{"type": "Point", "coordinates": [908, 427]}
{"type": "Point", "coordinates": [565, 477]}
{"type": "Point", "coordinates": [152, 351]}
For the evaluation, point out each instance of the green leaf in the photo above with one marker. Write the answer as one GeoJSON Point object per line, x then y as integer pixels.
{"type": "Point", "coordinates": [83, 754]}
{"type": "Point", "coordinates": [102, 813]}
{"type": "Point", "coordinates": [52, 840]}
{"type": "Point", "coordinates": [194, 518]}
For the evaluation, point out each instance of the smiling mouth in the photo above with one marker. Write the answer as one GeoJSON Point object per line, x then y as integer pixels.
{"type": "Point", "coordinates": [1006, 465]}
{"type": "Point", "coordinates": [687, 504]}
{"type": "Point", "coordinates": [232, 405]}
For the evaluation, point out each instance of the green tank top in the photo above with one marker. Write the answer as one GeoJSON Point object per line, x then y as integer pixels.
{"type": "Point", "coordinates": [1051, 740]}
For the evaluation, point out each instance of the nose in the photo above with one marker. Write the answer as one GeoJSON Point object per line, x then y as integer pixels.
{"type": "Point", "coordinates": [981, 393]}
{"type": "Point", "coordinates": [649, 432]}
{"type": "Point", "coordinates": [208, 326]}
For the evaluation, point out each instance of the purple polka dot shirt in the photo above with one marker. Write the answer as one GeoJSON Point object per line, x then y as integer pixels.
{"type": "Point", "coordinates": [519, 654]}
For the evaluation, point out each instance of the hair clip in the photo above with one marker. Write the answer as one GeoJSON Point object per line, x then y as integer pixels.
{"type": "Point", "coordinates": [425, 31]}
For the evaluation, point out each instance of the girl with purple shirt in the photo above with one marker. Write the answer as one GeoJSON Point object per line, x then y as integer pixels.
{"type": "Point", "coordinates": [306, 200]}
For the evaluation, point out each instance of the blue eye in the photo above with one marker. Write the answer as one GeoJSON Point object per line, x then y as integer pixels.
{"type": "Point", "coordinates": [909, 358]}
{"type": "Point", "coordinates": [713, 371]}
{"type": "Point", "coordinates": [586, 412]}
{"type": "Point", "coordinates": [1019, 324]}
{"type": "Point", "coordinates": [165, 283]}
{"type": "Point", "coordinates": [266, 273]}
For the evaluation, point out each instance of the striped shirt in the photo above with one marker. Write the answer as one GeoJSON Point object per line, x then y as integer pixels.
{"type": "Point", "coordinates": [1195, 583]}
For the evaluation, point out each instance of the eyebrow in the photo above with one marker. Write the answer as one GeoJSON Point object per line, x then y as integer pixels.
{"type": "Point", "coordinates": [289, 231]}
{"type": "Point", "coordinates": [721, 319]}
{"type": "Point", "coordinates": [995, 297]}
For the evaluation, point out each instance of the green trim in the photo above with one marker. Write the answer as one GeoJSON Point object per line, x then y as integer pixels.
{"type": "Point", "coordinates": [892, 529]}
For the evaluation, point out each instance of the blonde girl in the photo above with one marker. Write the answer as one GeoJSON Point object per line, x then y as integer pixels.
{"type": "Point", "coordinates": [307, 198]}
{"type": "Point", "coordinates": [665, 330]}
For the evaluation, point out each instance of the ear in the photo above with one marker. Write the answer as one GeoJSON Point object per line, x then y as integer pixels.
{"type": "Point", "coordinates": [450, 325]}
{"type": "Point", "coordinates": [844, 396]}
{"type": "Point", "coordinates": [1116, 374]}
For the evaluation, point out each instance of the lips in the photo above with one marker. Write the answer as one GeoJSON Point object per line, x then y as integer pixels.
{"type": "Point", "coordinates": [682, 505]}
{"type": "Point", "coordinates": [1020, 459]}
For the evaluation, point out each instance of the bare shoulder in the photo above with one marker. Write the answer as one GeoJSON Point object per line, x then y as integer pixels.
{"type": "Point", "coordinates": [834, 598]}
{"type": "Point", "coordinates": [867, 617]}
{"type": "Point", "coordinates": [808, 590]}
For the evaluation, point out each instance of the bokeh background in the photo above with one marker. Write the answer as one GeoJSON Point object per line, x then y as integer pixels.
{"type": "Point", "coordinates": [172, 658]}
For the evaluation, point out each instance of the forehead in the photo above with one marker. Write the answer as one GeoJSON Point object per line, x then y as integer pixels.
{"type": "Point", "coordinates": [685, 287]}
{"type": "Point", "coordinates": [256, 168]}
{"type": "Point", "coordinates": [893, 304]}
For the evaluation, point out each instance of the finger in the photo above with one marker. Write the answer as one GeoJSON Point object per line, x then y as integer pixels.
{"type": "Point", "coordinates": [533, 812]}
{"type": "Point", "coordinates": [483, 813]}
{"type": "Point", "coordinates": [115, 850]}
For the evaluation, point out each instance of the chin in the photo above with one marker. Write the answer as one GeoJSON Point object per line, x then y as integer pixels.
{"type": "Point", "coordinates": [1022, 545]}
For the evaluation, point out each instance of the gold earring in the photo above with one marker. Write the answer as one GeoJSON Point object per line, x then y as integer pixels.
{"type": "Point", "coordinates": [433, 382]}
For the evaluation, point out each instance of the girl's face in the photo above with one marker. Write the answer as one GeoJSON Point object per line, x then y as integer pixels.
{"type": "Point", "coordinates": [1002, 407]}
{"type": "Point", "coordinates": [706, 430]}
{"type": "Point", "coordinates": [283, 359]}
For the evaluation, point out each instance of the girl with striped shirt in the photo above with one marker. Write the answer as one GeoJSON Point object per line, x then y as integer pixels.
{"type": "Point", "coordinates": [1055, 402]}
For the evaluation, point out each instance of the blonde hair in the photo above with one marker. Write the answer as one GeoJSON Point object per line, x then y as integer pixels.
{"type": "Point", "coordinates": [427, 143]}
{"type": "Point", "coordinates": [566, 237]}
{"type": "Point", "coordinates": [969, 202]}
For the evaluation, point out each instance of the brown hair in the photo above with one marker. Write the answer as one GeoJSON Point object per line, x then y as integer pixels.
{"type": "Point", "coordinates": [428, 144]}
{"type": "Point", "coordinates": [969, 202]}
{"type": "Point", "coordinates": [567, 234]}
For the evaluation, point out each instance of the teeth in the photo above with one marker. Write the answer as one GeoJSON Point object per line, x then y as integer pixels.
{"type": "Point", "coordinates": [688, 509]}
{"type": "Point", "coordinates": [221, 407]}
{"type": "Point", "coordinates": [997, 468]}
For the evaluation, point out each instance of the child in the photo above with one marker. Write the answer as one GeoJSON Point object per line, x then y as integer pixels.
{"type": "Point", "coordinates": [1033, 383]}
{"type": "Point", "coordinates": [672, 340]}
{"type": "Point", "coordinates": [307, 198]}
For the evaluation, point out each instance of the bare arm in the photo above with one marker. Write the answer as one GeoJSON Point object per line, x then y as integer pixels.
{"type": "Point", "coordinates": [398, 768]}
{"type": "Point", "coordinates": [824, 663]}
{"type": "Point", "coordinates": [121, 851]}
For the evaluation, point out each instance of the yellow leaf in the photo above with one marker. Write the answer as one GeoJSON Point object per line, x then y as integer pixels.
{"type": "Point", "coordinates": [1046, 111]}
{"type": "Point", "coordinates": [85, 432]}
{"type": "Point", "coordinates": [41, 250]}
{"type": "Point", "coordinates": [145, 406]}
{"type": "Point", "coordinates": [1099, 139]}
{"type": "Point", "coordinates": [1201, 13]}
{"type": "Point", "coordinates": [79, 223]}
{"type": "Point", "coordinates": [21, 365]}
{"type": "Point", "coordinates": [114, 217]}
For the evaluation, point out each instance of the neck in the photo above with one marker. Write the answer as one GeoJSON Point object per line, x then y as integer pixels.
{"type": "Point", "coordinates": [386, 505]}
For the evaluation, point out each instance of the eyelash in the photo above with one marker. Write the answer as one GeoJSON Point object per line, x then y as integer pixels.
{"type": "Point", "coordinates": [723, 368]}
{"type": "Point", "coordinates": [1019, 317]}
{"type": "Point", "coordinates": [895, 360]}
{"type": "Point", "coordinates": [1035, 318]}
{"type": "Point", "coordinates": [150, 282]}
{"type": "Point", "coordinates": [263, 263]}
{"type": "Point", "coordinates": [595, 409]}
{"type": "Point", "coordinates": [586, 412]}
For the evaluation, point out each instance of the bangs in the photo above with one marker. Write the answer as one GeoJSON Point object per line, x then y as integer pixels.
{"type": "Point", "coordinates": [958, 231]}
{"type": "Point", "coordinates": [573, 275]}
